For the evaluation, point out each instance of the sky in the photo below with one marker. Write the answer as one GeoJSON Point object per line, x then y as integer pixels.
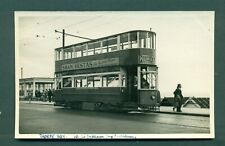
{"type": "Point", "coordinates": [184, 39]}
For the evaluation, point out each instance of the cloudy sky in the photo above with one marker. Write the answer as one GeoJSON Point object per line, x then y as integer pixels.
{"type": "Point", "coordinates": [185, 42]}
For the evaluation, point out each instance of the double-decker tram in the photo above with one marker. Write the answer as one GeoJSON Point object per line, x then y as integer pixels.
{"type": "Point", "coordinates": [116, 72]}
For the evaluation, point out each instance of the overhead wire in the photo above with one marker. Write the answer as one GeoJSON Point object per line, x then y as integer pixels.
{"type": "Point", "coordinates": [83, 21]}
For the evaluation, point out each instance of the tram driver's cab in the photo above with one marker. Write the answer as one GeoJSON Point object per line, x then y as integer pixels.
{"type": "Point", "coordinates": [147, 87]}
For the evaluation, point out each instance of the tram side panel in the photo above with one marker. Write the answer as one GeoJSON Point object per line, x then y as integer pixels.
{"type": "Point", "coordinates": [113, 96]}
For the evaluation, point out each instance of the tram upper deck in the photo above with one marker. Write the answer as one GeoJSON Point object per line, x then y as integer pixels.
{"type": "Point", "coordinates": [122, 41]}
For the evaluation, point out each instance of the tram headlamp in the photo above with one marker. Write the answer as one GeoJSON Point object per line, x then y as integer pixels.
{"type": "Point", "coordinates": [153, 97]}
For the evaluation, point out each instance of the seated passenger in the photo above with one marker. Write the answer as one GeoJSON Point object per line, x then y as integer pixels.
{"type": "Point", "coordinates": [144, 84]}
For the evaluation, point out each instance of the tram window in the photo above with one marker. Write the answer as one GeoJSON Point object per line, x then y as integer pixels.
{"type": "Point", "coordinates": [77, 82]}
{"type": "Point", "coordinates": [59, 55]}
{"type": "Point", "coordinates": [144, 78]}
{"type": "Point", "coordinates": [125, 46]}
{"type": "Point", "coordinates": [69, 55]}
{"type": "Point", "coordinates": [83, 53]}
{"type": "Point", "coordinates": [98, 51]}
{"type": "Point", "coordinates": [97, 81]}
{"type": "Point", "coordinates": [134, 44]}
{"type": "Point", "coordinates": [84, 82]}
{"type": "Point", "coordinates": [112, 44]}
{"type": "Point", "coordinates": [91, 52]}
{"type": "Point", "coordinates": [105, 43]}
{"type": "Point", "coordinates": [104, 81]}
{"type": "Point", "coordinates": [105, 50]}
{"type": "Point", "coordinates": [78, 53]}
{"type": "Point", "coordinates": [123, 80]}
{"type": "Point", "coordinates": [112, 41]}
{"type": "Point", "coordinates": [90, 81]}
{"type": "Point", "coordinates": [153, 81]}
{"type": "Point", "coordinates": [64, 55]}
{"type": "Point", "coordinates": [148, 79]}
{"type": "Point", "coordinates": [148, 42]}
{"type": "Point", "coordinates": [67, 82]}
{"type": "Point", "coordinates": [113, 80]}
{"type": "Point", "coordinates": [124, 38]}
{"type": "Point", "coordinates": [153, 41]}
{"type": "Point", "coordinates": [133, 36]}
{"type": "Point", "coordinates": [144, 81]}
{"type": "Point", "coordinates": [94, 45]}
{"type": "Point", "coordinates": [109, 45]}
{"type": "Point", "coordinates": [143, 43]}
{"type": "Point", "coordinates": [133, 40]}
{"type": "Point", "coordinates": [112, 48]}
{"type": "Point", "coordinates": [94, 81]}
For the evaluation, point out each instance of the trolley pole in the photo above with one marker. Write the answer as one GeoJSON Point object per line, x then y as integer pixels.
{"type": "Point", "coordinates": [76, 36]}
{"type": "Point", "coordinates": [63, 39]}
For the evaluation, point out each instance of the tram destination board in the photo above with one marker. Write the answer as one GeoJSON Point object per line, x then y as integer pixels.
{"type": "Point", "coordinates": [91, 64]}
{"type": "Point", "coordinates": [146, 59]}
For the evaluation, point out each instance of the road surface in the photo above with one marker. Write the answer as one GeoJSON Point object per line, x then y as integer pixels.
{"type": "Point", "coordinates": [38, 119]}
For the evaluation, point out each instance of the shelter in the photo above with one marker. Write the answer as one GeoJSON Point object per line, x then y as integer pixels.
{"type": "Point", "coordinates": [34, 84]}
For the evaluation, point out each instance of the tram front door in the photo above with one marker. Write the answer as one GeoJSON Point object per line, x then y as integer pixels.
{"type": "Point", "coordinates": [132, 84]}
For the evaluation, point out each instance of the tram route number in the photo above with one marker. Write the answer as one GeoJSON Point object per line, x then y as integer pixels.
{"type": "Point", "coordinates": [145, 59]}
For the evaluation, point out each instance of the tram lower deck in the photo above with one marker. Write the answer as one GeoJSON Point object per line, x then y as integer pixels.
{"type": "Point", "coordinates": [114, 98]}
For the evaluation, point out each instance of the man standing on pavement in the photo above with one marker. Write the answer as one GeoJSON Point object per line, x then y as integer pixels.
{"type": "Point", "coordinates": [178, 98]}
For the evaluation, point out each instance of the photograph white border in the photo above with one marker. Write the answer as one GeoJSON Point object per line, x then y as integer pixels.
{"type": "Point", "coordinates": [18, 14]}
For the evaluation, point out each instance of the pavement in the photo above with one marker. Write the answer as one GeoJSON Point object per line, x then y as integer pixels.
{"type": "Point", "coordinates": [37, 102]}
{"type": "Point", "coordinates": [185, 111]}
{"type": "Point", "coordinates": [205, 112]}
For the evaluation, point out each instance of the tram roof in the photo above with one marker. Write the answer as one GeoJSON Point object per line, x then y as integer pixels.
{"type": "Point", "coordinates": [94, 40]}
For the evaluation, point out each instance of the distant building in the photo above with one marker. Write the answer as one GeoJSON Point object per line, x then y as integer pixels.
{"type": "Point", "coordinates": [191, 102]}
{"type": "Point", "coordinates": [200, 102]}
{"type": "Point", "coordinates": [34, 84]}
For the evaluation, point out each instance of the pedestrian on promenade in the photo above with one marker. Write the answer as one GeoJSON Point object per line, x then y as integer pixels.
{"type": "Point", "coordinates": [29, 95]}
{"type": "Point", "coordinates": [46, 95]}
{"type": "Point", "coordinates": [178, 98]}
{"type": "Point", "coordinates": [49, 95]}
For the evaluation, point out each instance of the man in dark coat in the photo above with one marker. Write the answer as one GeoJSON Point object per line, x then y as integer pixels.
{"type": "Point", "coordinates": [178, 98]}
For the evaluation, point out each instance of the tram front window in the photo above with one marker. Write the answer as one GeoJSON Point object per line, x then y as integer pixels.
{"type": "Point", "coordinates": [148, 79]}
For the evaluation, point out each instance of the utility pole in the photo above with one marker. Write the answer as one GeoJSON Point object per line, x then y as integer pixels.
{"type": "Point", "coordinates": [21, 72]}
{"type": "Point", "coordinates": [63, 38]}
